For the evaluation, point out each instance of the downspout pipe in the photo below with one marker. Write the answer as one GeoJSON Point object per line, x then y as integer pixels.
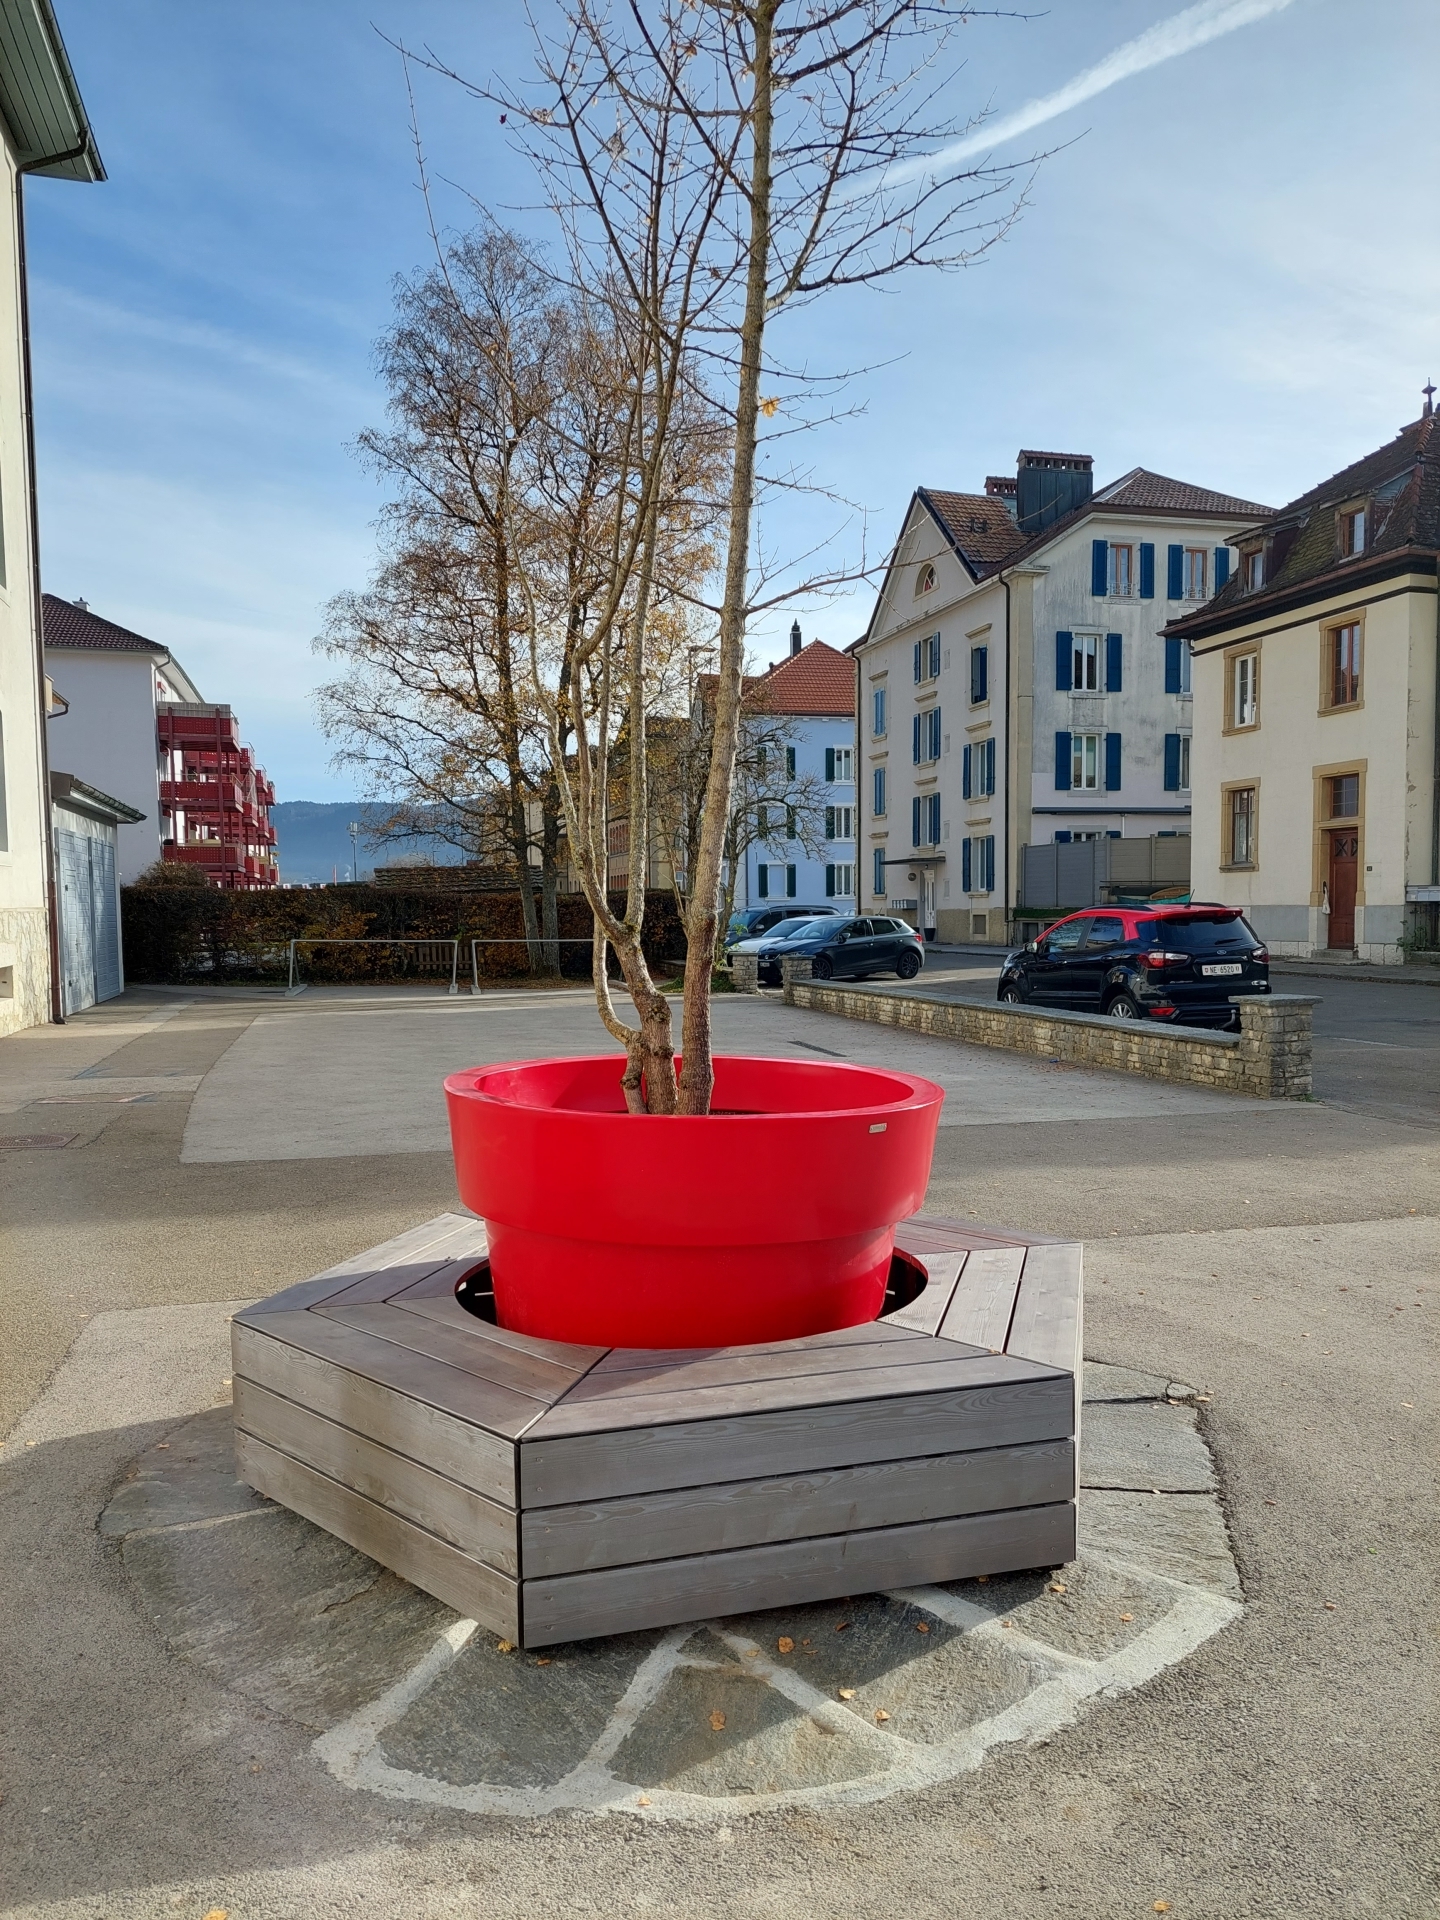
{"type": "Point", "coordinates": [1010, 772]}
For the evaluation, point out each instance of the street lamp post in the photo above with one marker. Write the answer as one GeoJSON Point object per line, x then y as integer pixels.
{"type": "Point", "coordinates": [354, 850]}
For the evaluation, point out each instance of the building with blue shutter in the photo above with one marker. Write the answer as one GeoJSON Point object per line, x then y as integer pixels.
{"type": "Point", "coordinates": [1016, 687]}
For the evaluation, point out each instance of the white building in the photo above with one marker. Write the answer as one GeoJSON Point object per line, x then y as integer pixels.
{"type": "Point", "coordinates": [1015, 687]}
{"type": "Point", "coordinates": [114, 682]}
{"type": "Point", "coordinates": [811, 695]}
{"type": "Point", "coordinates": [43, 130]}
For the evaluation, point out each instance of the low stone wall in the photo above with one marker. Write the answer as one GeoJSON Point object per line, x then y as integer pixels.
{"type": "Point", "coordinates": [1270, 1056]}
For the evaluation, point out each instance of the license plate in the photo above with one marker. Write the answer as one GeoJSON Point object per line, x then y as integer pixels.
{"type": "Point", "coordinates": [1228, 966]}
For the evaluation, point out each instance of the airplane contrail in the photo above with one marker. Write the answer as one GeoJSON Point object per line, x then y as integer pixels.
{"type": "Point", "coordinates": [1181, 33]}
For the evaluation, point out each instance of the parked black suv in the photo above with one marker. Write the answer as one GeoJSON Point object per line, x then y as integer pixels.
{"type": "Point", "coordinates": [842, 949]}
{"type": "Point", "coordinates": [1179, 964]}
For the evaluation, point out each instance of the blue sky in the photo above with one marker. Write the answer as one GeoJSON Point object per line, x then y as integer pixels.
{"type": "Point", "coordinates": [1227, 275]}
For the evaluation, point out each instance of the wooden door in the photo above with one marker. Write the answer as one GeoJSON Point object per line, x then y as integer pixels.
{"type": "Point", "coordinates": [1344, 858]}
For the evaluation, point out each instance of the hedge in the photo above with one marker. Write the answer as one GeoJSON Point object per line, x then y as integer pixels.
{"type": "Point", "coordinates": [179, 934]}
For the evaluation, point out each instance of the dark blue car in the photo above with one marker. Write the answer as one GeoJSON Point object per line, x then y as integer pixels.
{"type": "Point", "coordinates": [841, 949]}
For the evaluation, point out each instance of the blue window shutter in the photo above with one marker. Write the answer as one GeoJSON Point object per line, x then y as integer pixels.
{"type": "Point", "coordinates": [979, 675]}
{"type": "Point", "coordinates": [1173, 670]}
{"type": "Point", "coordinates": [935, 733]}
{"type": "Point", "coordinates": [1112, 762]}
{"type": "Point", "coordinates": [1175, 574]}
{"type": "Point", "coordinates": [1062, 836]}
{"type": "Point", "coordinates": [1062, 763]}
{"type": "Point", "coordinates": [790, 883]}
{"type": "Point", "coordinates": [878, 793]}
{"type": "Point", "coordinates": [762, 881]}
{"type": "Point", "coordinates": [829, 823]}
{"type": "Point", "coordinates": [915, 821]}
{"type": "Point", "coordinates": [989, 766]}
{"type": "Point", "coordinates": [1099, 566]}
{"type": "Point", "coordinates": [830, 882]}
{"type": "Point", "coordinates": [915, 740]}
{"type": "Point", "coordinates": [1113, 833]}
{"type": "Point", "coordinates": [989, 863]}
{"type": "Point", "coordinates": [965, 758]}
{"type": "Point", "coordinates": [1222, 567]}
{"type": "Point", "coordinates": [934, 819]}
{"type": "Point", "coordinates": [965, 871]}
{"type": "Point", "coordinates": [1147, 570]}
{"type": "Point", "coordinates": [917, 661]}
{"type": "Point", "coordinates": [1064, 662]}
{"type": "Point", "coordinates": [1114, 659]}
{"type": "Point", "coordinates": [1172, 763]}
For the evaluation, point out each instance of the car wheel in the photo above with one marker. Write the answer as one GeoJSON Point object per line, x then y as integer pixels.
{"type": "Point", "coordinates": [907, 966]}
{"type": "Point", "coordinates": [823, 967]}
{"type": "Point", "coordinates": [1012, 997]}
{"type": "Point", "coordinates": [1122, 1007]}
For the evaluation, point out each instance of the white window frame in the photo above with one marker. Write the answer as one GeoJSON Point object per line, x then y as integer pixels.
{"type": "Point", "coordinates": [1120, 573]}
{"type": "Point", "coordinates": [844, 872]}
{"type": "Point", "coordinates": [1195, 573]}
{"type": "Point", "coordinates": [844, 765]}
{"type": "Point", "coordinates": [844, 818]}
{"type": "Point", "coordinates": [1244, 690]}
{"type": "Point", "coordinates": [1087, 761]}
{"type": "Point", "coordinates": [1184, 781]}
{"type": "Point", "coordinates": [1087, 651]}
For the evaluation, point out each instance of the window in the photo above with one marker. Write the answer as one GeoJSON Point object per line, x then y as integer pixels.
{"type": "Point", "coordinates": [1240, 826]}
{"type": "Point", "coordinates": [1120, 570]}
{"type": "Point", "coordinates": [1195, 574]}
{"type": "Point", "coordinates": [1352, 532]}
{"type": "Point", "coordinates": [925, 820]}
{"type": "Point", "coordinates": [840, 880]}
{"type": "Point", "coordinates": [1345, 797]}
{"type": "Point", "coordinates": [878, 793]}
{"type": "Point", "coordinates": [842, 766]}
{"type": "Point", "coordinates": [1343, 663]}
{"type": "Point", "coordinates": [925, 580]}
{"type": "Point", "coordinates": [1244, 689]}
{"type": "Point", "coordinates": [1085, 758]}
{"type": "Point", "coordinates": [878, 880]}
{"type": "Point", "coordinates": [839, 823]}
{"type": "Point", "coordinates": [1106, 930]}
{"type": "Point", "coordinates": [1177, 763]}
{"type": "Point", "coordinates": [1085, 663]}
{"type": "Point", "coordinates": [927, 738]}
{"type": "Point", "coordinates": [877, 722]}
{"type": "Point", "coordinates": [762, 825]}
{"type": "Point", "coordinates": [1253, 563]}
{"type": "Point", "coordinates": [927, 658]}
{"type": "Point", "coordinates": [979, 676]}
{"type": "Point", "coordinates": [977, 775]}
{"type": "Point", "coordinates": [789, 823]}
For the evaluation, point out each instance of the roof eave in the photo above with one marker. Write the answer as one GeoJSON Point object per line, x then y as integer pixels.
{"type": "Point", "coordinates": [1245, 612]}
{"type": "Point", "coordinates": [39, 97]}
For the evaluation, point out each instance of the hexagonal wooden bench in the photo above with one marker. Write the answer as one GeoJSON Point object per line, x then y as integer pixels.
{"type": "Point", "coordinates": [556, 1492]}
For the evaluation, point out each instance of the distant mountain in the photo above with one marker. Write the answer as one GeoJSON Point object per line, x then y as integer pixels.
{"type": "Point", "coordinates": [314, 842]}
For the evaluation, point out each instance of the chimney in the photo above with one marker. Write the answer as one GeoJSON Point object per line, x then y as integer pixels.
{"type": "Point", "coordinates": [1050, 485]}
{"type": "Point", "coordinates": [84, 605]}
{"type": "Point", "coordinates": [795, 642]}
{"type": "Point", "coordinates": [1001, 487]}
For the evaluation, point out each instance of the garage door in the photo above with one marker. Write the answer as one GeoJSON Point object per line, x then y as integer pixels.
{"type": "Point", "coordinates": [89, 924]}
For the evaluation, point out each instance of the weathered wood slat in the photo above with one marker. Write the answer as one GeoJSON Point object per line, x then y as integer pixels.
{"type": "Point", "coordinates": [688, 1520]}
{"type": "Point", "coordinates": [649, 1359]}
{"type": "Point", "coordinates": [390, 1254]}
{"type": "Point", "coordinates": [385, 1409]}
{"type": "Point", "coordinates": [446, 1311]}
{"type": "Point", "coordinates": [769, 1378]}
{"type": "Point", "coordinates": [974, 1233]}
{"type": "Point", "coordinates": [1008, 1403]}
{"type": "Point", "coordinates": [467, 1348]}
{"type": "Point", "coordinates": [427, 1562]}
{"type": "Point", "coordinates": [482, 1528]}
{"type": "Point", "coordinates": [484, 1403]}
{"type": "Point", "coordinates": [1047, 1320]}
{"type": "Point", "coordinates": [924, 1314]}
{"type": "Point", "coordinates": [624, 1599]}
{"type": "Point", "coordinates": [982, 1305]}
{"type": "Point", "coordinates": [373, 1289]}
{"type": "Point", "coordinates": [918, 1373]}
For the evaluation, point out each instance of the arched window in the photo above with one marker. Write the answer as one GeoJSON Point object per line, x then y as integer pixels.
{"type": "Point", "coordinates": [925, 582]}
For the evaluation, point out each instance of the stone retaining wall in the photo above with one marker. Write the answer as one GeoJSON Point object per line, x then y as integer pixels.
{"type": "Point", "coordinates": [1270, 1056]}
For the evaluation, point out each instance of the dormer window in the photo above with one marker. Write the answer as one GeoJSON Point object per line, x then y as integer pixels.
{"type": "Point", "coordinates": [925, 582]}
{"type": "Point", "coordinates": [1254, 564]}
{"type": "Point", "coordinates": [1352, 532]}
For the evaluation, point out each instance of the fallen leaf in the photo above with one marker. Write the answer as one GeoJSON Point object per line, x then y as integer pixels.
{"type": "Point", "coordinates": [981, 1579]}
{"type": "Point", "coordinates": [1058, 1586]}
{"type": "Point", "coordinates": [1163, 1906]}
{"type": "Point", "coordinates": [161, 1446]}
{"type": "Point", "coordinates": [847, 1693]}
{"type": "Point", "coordinates": [218, 1913]}
{"type": "Point", "coordinates": [1127, 1617]}
{"type": "Point", "coordinates": [752, 1653]}
{"type": "Point", "coordinates": [643, 1801]}
{"type": "Point", "coordinates": [255, 1766]}
{"type": "Point", "coordinates": [1408, 1403]}
{"type": "Point", "coordinates": [717, 1721]}
{"type": "Point", "coordinates": [1005, 1623]}
{"type": "Point", "coordinates": [1270, 1503]}
{"type": "Point", "coordinates": [840, 1625]}
{"type": "Point", "coordinates": [1329, 1606]}
{"type": "Point", "coordinates": [544, 1661]}
{"type": "Point", "coordinates": [505, 1646]}
{"type": "Point", "coordinates": [881, 1715]}
{"type": "Point", "coordinates": [785, 1643]}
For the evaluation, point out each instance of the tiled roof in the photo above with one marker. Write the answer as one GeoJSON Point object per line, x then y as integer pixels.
{"type": "Point", "coordinates": [980, 525]}
{"type": "Point", "coordinates": [1399, 485]}
{"type": "Point", "coordinates": [67, 625]}
{"type": "Point", "coordinates": [1139, 488]}
{"type": "Point", "coordinates": [817, 680]}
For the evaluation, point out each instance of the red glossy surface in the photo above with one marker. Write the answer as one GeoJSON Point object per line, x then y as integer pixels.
{"type": "Point", "coordinates": [769, 1221]}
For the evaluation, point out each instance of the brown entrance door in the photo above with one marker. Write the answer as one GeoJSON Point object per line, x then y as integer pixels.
{"type": "Point", "coordinates": [1344, 856]}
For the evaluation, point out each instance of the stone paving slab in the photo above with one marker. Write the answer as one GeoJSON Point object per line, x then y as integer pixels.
{"type": "Point", "coordinates": [1145, 1445]}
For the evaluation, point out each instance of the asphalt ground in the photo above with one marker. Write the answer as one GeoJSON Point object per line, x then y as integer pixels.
{"type": "Point", "coordinates": [1281, 1259]}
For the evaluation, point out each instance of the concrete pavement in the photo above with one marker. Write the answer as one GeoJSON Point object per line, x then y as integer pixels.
{"type": "Point", "coordinates": [1278, 1260]}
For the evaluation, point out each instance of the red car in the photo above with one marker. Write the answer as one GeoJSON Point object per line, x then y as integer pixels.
{"type": "Point", "coordinates": [1179, 964]}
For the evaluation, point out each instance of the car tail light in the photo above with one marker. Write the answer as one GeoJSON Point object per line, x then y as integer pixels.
{"type": "Point", "coordinates": [1261, 955]}
{"type": "Point", "coordinates": [1157, 1013]}
{"type": "Point", "coordinates": [1159, 957]}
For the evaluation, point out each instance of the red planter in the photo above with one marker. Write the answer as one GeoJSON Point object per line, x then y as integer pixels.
{"type": "Point", "coordinates": [770, 1218]}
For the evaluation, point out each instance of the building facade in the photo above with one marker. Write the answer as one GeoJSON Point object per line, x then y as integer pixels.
{"type": "Point", "coordinates": [1316, 724]}
{"type": "Point", "coordinates": [1015, 687]}
{"type": "Point", "coordinates": [136, 726]}
{"type": "Point", "coordinates": [43, 130]}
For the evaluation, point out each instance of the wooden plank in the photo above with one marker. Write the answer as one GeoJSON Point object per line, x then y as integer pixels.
{"type": "Point", "coordinates": [794, 1371]}
{"type": "Point", "coordinates": [930, 1369]}
{"type": "Point", "coordinates": [984, 1301]}
{"type": "Point", "coordinates": [373, 1289]}
{"type": "Point", "coordinates": [624, 1599]}
{"type": "Point", "coordinates": [927, 1310]}
{"type": "Point", "coordinates": [469, 1348]}
{"type": "Point", "coordinates": [1007, 1402]}
{"type": "Point", "coordinates": [977, 1232]}
{"type": "Point", "coordinates": [447, 1311]}
{"type": "Point", "coordinates": [389, 1254]}
{"type": "Point", "coordinates": [484, 1403]}
{"type": "Point", "coordinates": [482, 1528]}
{"type": "Point", "coordinates": [427, 1562]}
{"type": "Point", "coordinates": [382, 1408]}
{"type": "Point", "coordinates": [688, 1520]}
{"type": "Point", "coordinates": [639, 1359]}
{"type": "Point", "coordinates": [1047, 1322]}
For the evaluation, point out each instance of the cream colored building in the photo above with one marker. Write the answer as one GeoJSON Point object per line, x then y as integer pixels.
{"type": "Point", "coordinates": [43, 129]}
{"type": "Point", "coordinates": [1015, 687]}
{"type": "Point", "coordinates": [1316, 738]}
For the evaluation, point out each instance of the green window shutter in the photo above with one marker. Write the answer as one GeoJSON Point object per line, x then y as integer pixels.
{"type": "Point", "coordinates": [1064, 662]}
{"type": "Point", "coordinates": [829, 763]}
{"type": "Point", "coordinates": [762, 881]}
{"type": "Point", "coordinates": [1062, 762]}
{"type": "Point", "coordinates": [790, 762]}
{"type": "Point", "coordinates": [1099, 567]}
{"type": "Point", "coordinates": [790, 883]}
{"type": "Point", "coordinates": [1147, 570]}
{"type": "Point", "coordinates": [829, 823]}
{"type": "Point", "coordinates": [830, 883]}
